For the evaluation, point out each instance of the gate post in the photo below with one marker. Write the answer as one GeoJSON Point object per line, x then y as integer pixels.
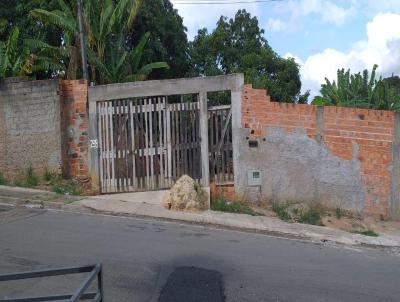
{"type": "Point", "coordinates": [236, 103]}
{"type": "Point", "coordinates": [205, 168]}
{"type": "Point", "coordinates": [93, 147]}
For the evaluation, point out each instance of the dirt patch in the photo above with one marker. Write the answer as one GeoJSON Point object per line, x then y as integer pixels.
{"type": "Point", "coordinates": [317, 214]}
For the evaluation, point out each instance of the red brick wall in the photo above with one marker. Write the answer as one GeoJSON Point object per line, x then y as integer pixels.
{"type": "Point", "coordinates": [372, 132]}
{"type": "Point", "coordinates": [226, 191]}
{"type": "Point", "coordinates": [344, 131]}
{"type": "Point", "coordinates": [74, 128]}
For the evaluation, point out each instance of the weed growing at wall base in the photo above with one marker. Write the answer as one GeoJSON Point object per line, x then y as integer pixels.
{"type": "Point", "coordinates": [368, 233]}
{"type": "Point", "coordinates": [281, 211]}
{"type": "Point", "coordinates": [308, 215]}
{"type": "Point", "coordinates": [311, 216]}
{"type": "Point", "coordinates": [67, 188]}
{"type": "Point", "coordinates": [219, 204]}
{"type": "Point", "coordinates": [3, 180]}
{"type": "Point", "coordinates": [30, 179]}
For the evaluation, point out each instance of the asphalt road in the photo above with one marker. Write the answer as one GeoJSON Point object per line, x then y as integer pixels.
{"type": "Point", "coordinates": [146, 260]}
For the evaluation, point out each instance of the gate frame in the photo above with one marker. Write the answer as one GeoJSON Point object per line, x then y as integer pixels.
{"type": "Point", "coordinates": [201, 86]}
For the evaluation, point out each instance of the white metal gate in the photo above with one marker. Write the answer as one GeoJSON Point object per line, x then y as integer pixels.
{"type": "Point", "coordinates": [146, 144]}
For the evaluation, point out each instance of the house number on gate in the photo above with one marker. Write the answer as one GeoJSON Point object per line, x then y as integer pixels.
{"type": "Point", "coordinates": [94, 144]}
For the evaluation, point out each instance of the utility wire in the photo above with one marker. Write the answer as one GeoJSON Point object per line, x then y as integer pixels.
{"type": "Point", "coordinates": [223, 2]}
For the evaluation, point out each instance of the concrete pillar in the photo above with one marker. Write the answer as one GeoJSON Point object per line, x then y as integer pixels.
{"type": "Point", "coordinates": [394, 194]}
{"type": "Point", "coordinates": [320, 124]}
{"type": "Point", "coordinates": [236, 105]}
{"type": "Point", "coordinates": [93, 148]}
{"type": "Point", "coordinates": [205, 165]}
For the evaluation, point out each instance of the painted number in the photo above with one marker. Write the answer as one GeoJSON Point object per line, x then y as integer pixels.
{"type": "Point", "coordinates": [94, 144]}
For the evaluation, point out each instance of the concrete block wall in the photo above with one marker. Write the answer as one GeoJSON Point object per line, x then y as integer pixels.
{"type": "Point", "coordinates": [75, 129]}
{"type": "Point", "coordinates": [44, 125]}
{"type": "Point", "coordinates": [29, 126]}
{"type": "Point", "coordinates": [340, 156]}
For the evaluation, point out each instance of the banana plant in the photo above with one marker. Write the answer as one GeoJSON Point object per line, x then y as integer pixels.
{"type": "Point", "coordinates": [121, 65]}
{"type": "Point", "coordinates": [358, 90]}
{"type": "Point", "coordinates": [64, 18]}
{"type": "Point", "coordinates": [19, 58]}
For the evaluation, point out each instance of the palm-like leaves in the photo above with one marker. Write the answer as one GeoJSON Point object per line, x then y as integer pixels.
{"type": "Point", "coordinates": [17, 57]}
{"type": "Point", "coordinates": [120, 65]}
{"type": "Point", "coordinates": [65, 19]}
{"type": "Point", "coordinates": [106, 25]}
{"type": "Point", "coordinates": [358, 90]}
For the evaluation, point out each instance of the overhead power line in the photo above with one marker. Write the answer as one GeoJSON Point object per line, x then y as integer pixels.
{"type": "Point", "coordinates": [223, 2]}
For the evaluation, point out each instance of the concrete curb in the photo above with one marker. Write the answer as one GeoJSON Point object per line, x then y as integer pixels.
{"type": "Point", "coordinates": [260, 224]}
{"type": "Point", "coordinates": [118, 206]}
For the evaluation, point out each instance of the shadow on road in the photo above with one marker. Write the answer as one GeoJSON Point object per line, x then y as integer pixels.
{"type": "Point", "coordinates": [193, 284]}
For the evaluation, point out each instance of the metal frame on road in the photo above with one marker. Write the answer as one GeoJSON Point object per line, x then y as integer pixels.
{"type": "Point", "coordinates": [92, 270]}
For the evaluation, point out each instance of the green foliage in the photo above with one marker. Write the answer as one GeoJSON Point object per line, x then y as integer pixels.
{"type": "Point", "coordinates": [369, 233]}
{"type": "Point", "coordinates": [237, 45]}
{"type": "Point", "coordinates": [303, 98]}
{"type": "Point", "coordinates": [311, 216]}
{"type": "Point", "coordinates": [340, 213]}
{"type": "Point", "coordinates": [120, 65]}
{"type": "Point", "coordinates": [107, 24]}
{"type": "Point", "coordinates": [15, 13]}
{"type": "Point", "coordinates": [64, 18]}
{"type": "Point", "coordinates": [168, 41]}
{"type": "Point", "coordinates": [3, 180]}
{"type": "Point", "coordinates": [50, 176]}
{"type": "Point", "coordinates": [28, 180]}
{"type": "Point", "coordinates": [15, 58]}
{"type": "Point", "coordinates": [67, 188]}
{"type": "Point", "coordinates": [222, 205]}
{"type": "Point", "coordinates": [289, 212]}
{"type": "Point", "coordinates": [358, 90]}
{"type": "Point", "coordinates": [281, 210]}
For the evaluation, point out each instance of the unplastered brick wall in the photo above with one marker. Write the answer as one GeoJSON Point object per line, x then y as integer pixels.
{"type": "Point", "coordinates": [29, 126]}
{"type": "Point", "coordinates": [73, 94]}
{"type": "Point", "coordinates": [339, 156]}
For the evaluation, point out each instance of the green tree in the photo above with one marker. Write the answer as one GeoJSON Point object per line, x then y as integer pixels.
{"type": "Point", "coordinates": [361, 90]}
{"type": "Point", "coordinates": [394, 83]}
{"type": "Point", "coordinates": [119, 65]}
{"type": "Point", "coordinates": [168, 41]}
{"type": "Point", "coordinates": [15, 13]}
{"type": "Point", "coordinates": [238, 45]}
{"type": "Point", "coordinates": [17, 58]}
{"type": "Point", "coordinates": [64, 17]}
{"type": "Point", "coordinates": [107, 24]}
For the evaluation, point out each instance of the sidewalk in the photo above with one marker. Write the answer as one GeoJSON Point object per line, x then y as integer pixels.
{"type": "Point", "coordinates": [262, 224]}
{"type": "Point", "coordinates": [142, 205]}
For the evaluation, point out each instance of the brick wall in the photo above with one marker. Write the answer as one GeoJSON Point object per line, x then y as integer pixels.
{"type": "Point", "coordinates": [332, 154]}
{"type": "Point", "coordinates": [73, 94]}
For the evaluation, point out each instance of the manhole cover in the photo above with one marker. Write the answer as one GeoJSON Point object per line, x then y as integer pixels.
{"type": "Point", "coordinates": [193, 284]}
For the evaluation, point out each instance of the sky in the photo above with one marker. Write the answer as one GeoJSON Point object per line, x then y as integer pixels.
{"type": "Point", "coordinates": [322, 35]}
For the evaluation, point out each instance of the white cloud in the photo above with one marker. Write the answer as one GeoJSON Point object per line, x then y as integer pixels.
{"type": "Point", "coordinates": [382, 47]}
{"type": "Point", "coordinates": [276, 24]}
{"type": "Point", "coordinates": [326, 10]}
{"type": "Point", "coordinates": [206, 15]}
